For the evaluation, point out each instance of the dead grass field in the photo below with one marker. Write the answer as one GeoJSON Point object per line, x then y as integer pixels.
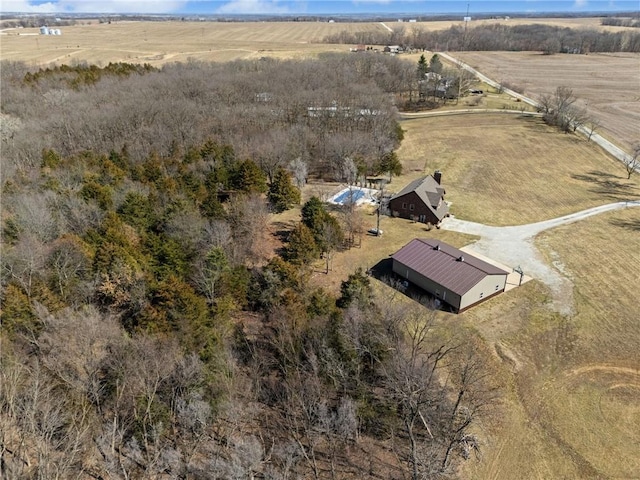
{"type": "Point", "coordinates": [578, 23]}
{"type": "Point", "coordinates": [161, 42]}
{"type": "Point", "coordinates": [507, 170]}
{"type": "Point", "coordinates": [572, 403]}
{"type": "Point", "coordinates": [607, 84]}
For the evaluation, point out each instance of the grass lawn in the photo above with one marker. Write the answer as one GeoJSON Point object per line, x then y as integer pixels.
{"type": "Point", "coordinates": [510, 170]}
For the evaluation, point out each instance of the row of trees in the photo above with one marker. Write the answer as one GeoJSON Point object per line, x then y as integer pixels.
{"type": "Point", "coordinates": [535, 37]}
{"type": "Point", "coordinates": [559, 110]}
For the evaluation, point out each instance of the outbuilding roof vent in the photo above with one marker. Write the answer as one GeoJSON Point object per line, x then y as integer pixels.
{"type": "Point", "coordinates": [437, 247]}
{"type": "Point", "coordinates": [461, 258]}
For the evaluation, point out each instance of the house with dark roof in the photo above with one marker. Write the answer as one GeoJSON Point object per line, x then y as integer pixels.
{"type": "Point", "coordinates": [422, 200]}
{"type": "Point", "coordinates": [450, 275]}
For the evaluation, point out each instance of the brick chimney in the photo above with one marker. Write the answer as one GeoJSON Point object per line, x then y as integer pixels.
{"type": "Point", "coordinates": [437, 175]}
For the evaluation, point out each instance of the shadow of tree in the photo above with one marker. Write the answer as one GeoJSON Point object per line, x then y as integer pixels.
{"type": "Point", "coordinates": [383, 271]}
{"type": "Point", "coordinates": [612, 186]}
{"type": "Point", "coordinates": [281, 230]}
{"type": "Point", "coordinates": [628, 224]}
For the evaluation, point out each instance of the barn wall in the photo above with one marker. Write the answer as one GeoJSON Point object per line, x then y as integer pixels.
{"type": "Point", "coordinates": [485, 288]}
{"type": "Point", "coordinates": [427, 285]}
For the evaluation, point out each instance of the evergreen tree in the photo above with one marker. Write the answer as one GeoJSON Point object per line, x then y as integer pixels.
{"type": "Point", "coordinates": [356, 289]}
{"type": "Point", "coordinates": [423, 66]}
{"type": "Point", "coordinates": [435, 65]}
{"type": "Point", "coordinates": [247, 177]}
{"type": "Point", "coordinates": [301, 248]}
{"type": "Point", "coordinates": [390, 164]}
{"type": "Point", "coordinates": [282, 193]}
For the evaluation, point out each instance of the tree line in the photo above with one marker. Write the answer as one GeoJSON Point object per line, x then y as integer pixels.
{"type": "Point", "coordinates": [535, 37]}
{"type": "Point", "coordinates": [273, 111]}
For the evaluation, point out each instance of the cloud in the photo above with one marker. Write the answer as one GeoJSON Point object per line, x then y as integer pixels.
{"type": "Point", "coordinates": [580, 3]}
{"type": "Point", "coordinates": [93, 6]}
{"type": "Point", "coordinates": [253, 7]}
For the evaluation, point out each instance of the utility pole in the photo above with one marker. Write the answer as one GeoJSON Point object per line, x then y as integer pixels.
{"type": "Point", "coordinates": [467, 19]}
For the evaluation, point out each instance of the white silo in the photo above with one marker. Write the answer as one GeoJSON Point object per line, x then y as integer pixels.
{"type": "Point", "coordinates": [44, 30]}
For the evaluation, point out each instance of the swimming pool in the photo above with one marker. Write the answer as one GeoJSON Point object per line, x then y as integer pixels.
{"type": "Point", "coordinates": [348, 196]}
{"type": "Point", "coordinates": [357, 195]}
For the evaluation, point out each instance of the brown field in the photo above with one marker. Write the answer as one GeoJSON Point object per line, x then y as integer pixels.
{"type": "Point", "coordinates": [607, 84]}
{"type": "Point", "coordinates": [580, 23]}
{"type": "Point", "coordinates": [572, 391]}
{"type": "Point", "coordinates": [505, 170]}
{"type": "Point", "coordinates": [161, 42]}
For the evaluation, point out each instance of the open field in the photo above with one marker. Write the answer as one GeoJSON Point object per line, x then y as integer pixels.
{"type": "Point", "coordinates": [571, 385]}
{"type": "Point", "coordinates": [607, 84]}
{"type": "Point", "coordinates": [573, 389]}
{"type": "Point", "coordinates": [505, 170]}
{"type": "Point", "coordinates": [581, 23]}
{"type": "Point", "coordinates": [161, 42]}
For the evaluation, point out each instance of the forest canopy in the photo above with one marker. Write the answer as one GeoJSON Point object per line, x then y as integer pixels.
{"type": "Point", "coordinates": [148, 326]}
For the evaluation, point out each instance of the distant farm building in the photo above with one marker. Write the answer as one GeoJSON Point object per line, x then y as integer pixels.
{"type": "Point", "coordinates": [393, 49]}
{"type": "Point", "coordinates": [44, 30]}
{"type": "Point", "coordinates": [452, 276]}
{"type": "Point", "coordinates": [422, 200]}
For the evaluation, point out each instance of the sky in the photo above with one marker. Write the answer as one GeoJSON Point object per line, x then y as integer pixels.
{"type": "Point", "coordinates": [315, 7]}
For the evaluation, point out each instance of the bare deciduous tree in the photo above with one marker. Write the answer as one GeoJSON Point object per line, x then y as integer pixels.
{"type": "Point", "coordinates": [632, 162]}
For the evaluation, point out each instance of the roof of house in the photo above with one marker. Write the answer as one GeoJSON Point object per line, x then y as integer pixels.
{"type": "Point", "coordinates": [442, 264]}
{"type": "Point", "coordinates": [429, 191]}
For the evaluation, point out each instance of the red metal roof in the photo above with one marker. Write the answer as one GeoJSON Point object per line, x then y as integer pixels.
{"type": "Point", "coordinates": [442, 264]}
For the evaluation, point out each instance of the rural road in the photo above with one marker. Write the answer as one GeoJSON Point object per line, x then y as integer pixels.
{"type": "Point", "coordinates": [608, 146]}
{"type": "Point", "coordinates": [514, 246]}
{"type": "Point", "coordinates": [465, 111]}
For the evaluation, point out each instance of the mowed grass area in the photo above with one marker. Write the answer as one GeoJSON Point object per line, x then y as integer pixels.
{"type": "Point", "coordinates": [372, 250]}
{"type": "Point", "coordinates": [606, 84]}
{"type": "Point", "coordinates": [504, 169]}
{"type": "Point", "coordinates": [161, 42]}
{"type": "Point", "coordinates": [570, 395]}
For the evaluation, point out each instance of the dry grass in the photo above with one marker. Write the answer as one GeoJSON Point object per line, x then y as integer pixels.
{"type": "Point", "coordinates": [506, 170]}
{"type": "Point", "coordinates": [572, 397]}
{"type": "Point", "coordinates": [161, 42]}
{"type": "Point", "coordinates": [607, 84]}
{"type": "Point", "coordinates": [397, 233]}
{"type": "Point", "coordinates": [579, 23]}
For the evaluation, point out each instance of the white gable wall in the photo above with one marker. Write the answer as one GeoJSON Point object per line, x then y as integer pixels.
{"type": "Point", "coordinates": [485, 288]}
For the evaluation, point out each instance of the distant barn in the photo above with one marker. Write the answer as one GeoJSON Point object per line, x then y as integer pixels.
{"type": "Point", "coordinates": [450, 275]}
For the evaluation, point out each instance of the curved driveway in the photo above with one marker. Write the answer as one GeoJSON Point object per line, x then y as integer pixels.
{"type": "Point", "coordinates": [514, 246]}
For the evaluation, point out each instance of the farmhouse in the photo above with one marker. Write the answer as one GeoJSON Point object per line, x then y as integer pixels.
{"type": "Point", "coordinates": [422, 200]}
{"type": "Point", "coordinates": [451, 275]}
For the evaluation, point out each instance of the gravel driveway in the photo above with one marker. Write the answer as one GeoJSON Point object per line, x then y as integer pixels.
{"type": "Point", "coordinates": [514, 246]}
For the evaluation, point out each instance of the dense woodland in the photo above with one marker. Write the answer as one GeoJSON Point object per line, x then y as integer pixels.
{"type": "Point", "coordinates": [536, 37]}
{"type": "Point", "coordinates": [151, 327]}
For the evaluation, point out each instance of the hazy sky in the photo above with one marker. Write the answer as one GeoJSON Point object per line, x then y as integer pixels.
{"type": "Point", "coordinates": [423, 7]}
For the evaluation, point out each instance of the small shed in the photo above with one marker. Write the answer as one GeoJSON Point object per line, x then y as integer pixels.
{"type": "Point", "coordinates": [449, 274]}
